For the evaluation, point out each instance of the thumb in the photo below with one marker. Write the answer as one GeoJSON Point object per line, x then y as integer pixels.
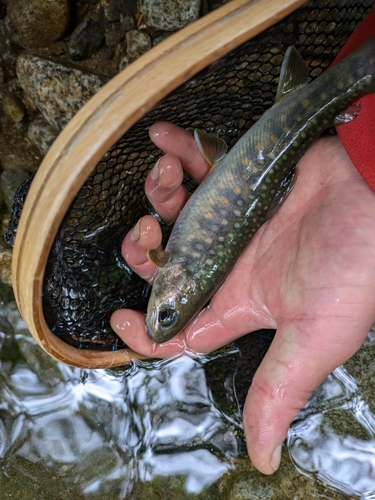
{"type": "Point", "coordinates": [296, 363]}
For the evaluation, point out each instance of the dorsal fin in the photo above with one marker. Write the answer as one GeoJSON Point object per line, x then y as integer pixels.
{"type": "Point", "coordinates": [158, 256]}
{"type": "Point", "coordinates": [294, 73]}
{"type": "Point", "coordinates": [212, 148]}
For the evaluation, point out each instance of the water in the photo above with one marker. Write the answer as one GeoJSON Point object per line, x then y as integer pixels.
{"type": "Point", "coordinates": [333, 438]}
{"type": "Point", "coordinates": [164, 430]}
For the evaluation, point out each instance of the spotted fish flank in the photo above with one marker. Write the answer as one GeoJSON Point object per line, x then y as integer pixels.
{"type": "Point", "coordinates": [246, 186]}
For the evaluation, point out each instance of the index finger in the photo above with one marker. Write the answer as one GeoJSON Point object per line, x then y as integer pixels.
{"type": "Point", "coordinates": [175, 140]}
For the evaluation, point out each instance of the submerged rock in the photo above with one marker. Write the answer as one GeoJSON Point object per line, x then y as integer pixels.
{"type": "Point", "coordinates": [170, 15]}
{"type": "Point", "coordinates": [38, 22]}
{"type": "Point", "coordinates": [57, 90]}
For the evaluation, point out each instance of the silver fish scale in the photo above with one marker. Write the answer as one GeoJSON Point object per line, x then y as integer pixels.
{"type": "Point", "coordinates": [86, 278]}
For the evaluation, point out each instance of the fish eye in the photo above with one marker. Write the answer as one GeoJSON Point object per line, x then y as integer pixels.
{"type": "Point", "coordinates": [168, 318]}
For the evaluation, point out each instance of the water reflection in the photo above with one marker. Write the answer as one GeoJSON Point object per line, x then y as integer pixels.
{"type": "Point", "coordinates": [333, 438]}
{"type": "Point", "coordinates": [90, 434]}
{"type": "Point", "coordinates": [103, 427]}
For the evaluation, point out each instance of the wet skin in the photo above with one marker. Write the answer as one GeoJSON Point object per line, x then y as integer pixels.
{"type": "Point", "coordinates": [309, 272]}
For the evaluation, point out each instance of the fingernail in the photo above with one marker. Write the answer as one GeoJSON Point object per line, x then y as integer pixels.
{"type": "Point", "coordinates": [155, 171]}
{"type": "Point", "coordinates": [134, 233]}
{"type": "Point", "coordinates": [276, 457]}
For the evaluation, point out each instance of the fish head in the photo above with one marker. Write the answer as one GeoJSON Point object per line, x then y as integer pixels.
{"type": "Point", "coordinates": [171, 304]}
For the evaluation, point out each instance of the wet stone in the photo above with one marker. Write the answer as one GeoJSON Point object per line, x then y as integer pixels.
{"type": "Point", "coordinates": [85, 40]}
{"type": "Point", "coordinates": [170, 15]}
{"type": "Point", "coordinates": [114, 9]}
{"type": "Point", "coordinates": [13, 107]}
{"type": "Point", "coordinates": [138, 42]}
{"type": "Point", "coordinates": [42, 134]}
{"type": "Point", "coordinates": [10, 180]}
{"type": "Point", "coordinates": [37, 22]}
{"type": "Point", "coordinates": [6, 266]}
{"type": "Point", "coordinates": [57, 90]}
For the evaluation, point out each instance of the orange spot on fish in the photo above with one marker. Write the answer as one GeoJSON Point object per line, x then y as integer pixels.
{"type": "Point", "coordinates": [224, 200]}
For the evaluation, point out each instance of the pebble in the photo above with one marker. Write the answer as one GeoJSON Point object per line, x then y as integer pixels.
{"type": "Point", "coordinates": [169, 15]}
{"type": "Point", "coordinates": [127, 22]}
{"type": "Point", "coordinates": [13, 107]}
{"type": "Point", "coordinates": [57, 90]}
{"type": "Point", "coordinates": [114, 34]}
{"type": "Point", "coordinates": [6, 266]}
{"type": "Point", "coordinates": [10, 181]}
{"type": "Point", "coordinates": [42, 134]}
{"type": "Point", "coordinates": [138, 42]}
{"type": "Point", "coordinates": [113, 9]}
{"type": "Point", "coordinates": [38, 22]}
{"type": "Point", "coordinates": [85, 40]}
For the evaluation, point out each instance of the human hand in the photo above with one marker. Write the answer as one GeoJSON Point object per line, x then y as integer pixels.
{"type": "Point", "coordinates": [309, 272]}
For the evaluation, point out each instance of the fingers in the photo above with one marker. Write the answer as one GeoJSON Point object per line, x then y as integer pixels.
{"type": "Point", "coordinates": [146, 234]}
{"type": "Point", "coordinates": [164, 188]}
{"type": "Point", "coordinates": [130, 327]}
{"type": "Point", "coordinates": [163, 185]}
{"type": "Point", "coordinates": [294, 366]}
{"type": "Point", "coordinates": [176, 141]}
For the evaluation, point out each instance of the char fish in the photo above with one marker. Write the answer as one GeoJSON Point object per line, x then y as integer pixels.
{"type": "Point", "coordinates": [246, 186]}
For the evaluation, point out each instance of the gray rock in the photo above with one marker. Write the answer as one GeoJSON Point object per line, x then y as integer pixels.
{"type": "Point", "coordinates": [10, 181]}
{"type": "Point", "coordinates": [169, 15]}
{"type": "Point", "coordinates": [57, 90]}
{"type": "Point", "coordinates": [85, 40]}
{"type": "Point", "coordinates": [42, 134]}
{"type": "Point", "coordinates": [127, 22]}
{"type": "Point", "coordinates": [138, 42]}
{"type": "Point", "coordinates": [113, 9]}
{"type": "Point", "coordinates": [6, 266]}
{"type": "Point", "coordinates": [38, 22]}
{"type": "Point", "coordinates": [13, 107]}
{"type": "Point", "coordinates": [124, 63]}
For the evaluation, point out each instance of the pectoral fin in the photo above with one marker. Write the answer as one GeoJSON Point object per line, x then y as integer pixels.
{"type": "Point", "coordinates": [294, 73]}
{"type": "Point", "coordinates": [158, 256]}
{"type": "Point", "coordinates": [211, 147]}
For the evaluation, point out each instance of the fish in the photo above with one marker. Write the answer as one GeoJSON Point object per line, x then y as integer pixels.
{"type": "Point", "coordinates": [86, 277]}
{"type": "Point", "coordinates": [246, 186]}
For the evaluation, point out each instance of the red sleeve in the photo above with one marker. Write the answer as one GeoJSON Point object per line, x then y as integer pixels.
{"type": "Point", "coordinates": [358, 136]}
